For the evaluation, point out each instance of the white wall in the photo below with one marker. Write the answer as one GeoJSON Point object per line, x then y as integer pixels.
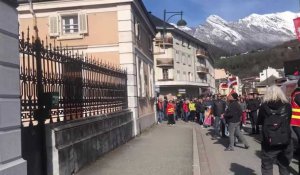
{"type": "Point", "coordinates": [266, 73]}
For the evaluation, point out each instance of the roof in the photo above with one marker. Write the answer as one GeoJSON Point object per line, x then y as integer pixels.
{"type": "Point", "coordinates": [268, 82]}
{"type": "Point", "coordinates": [159, 23]}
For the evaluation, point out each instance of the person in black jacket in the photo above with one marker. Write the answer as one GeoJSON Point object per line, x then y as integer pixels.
{"type": "Point", "coordinates": [233, 117]}
{"type": "Point", "coordinates": [282, 154]}
{"type": "Point", "coordinates": [218, 110]}
{"type": "Point", "coordinates": [252, 107]}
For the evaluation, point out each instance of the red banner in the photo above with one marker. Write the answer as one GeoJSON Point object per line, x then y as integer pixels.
{"type": "Point", "coordinates": [297, 27]}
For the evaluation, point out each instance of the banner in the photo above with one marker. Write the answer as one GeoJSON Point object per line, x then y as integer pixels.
{"type": "Point", "coordinates": [297, 27]}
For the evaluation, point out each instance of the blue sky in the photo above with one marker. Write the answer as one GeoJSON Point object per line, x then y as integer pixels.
{"type": "Point", "coordinates": [196, 11]}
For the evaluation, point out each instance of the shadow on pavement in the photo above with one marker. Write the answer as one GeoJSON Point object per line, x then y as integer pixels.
{"type": "Point", "coordinates": [238, 169]}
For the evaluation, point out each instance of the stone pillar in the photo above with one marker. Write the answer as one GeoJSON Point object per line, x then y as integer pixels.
{"type": "Point", "coordinates": [11, 162]}
{"type": "Point", "coordinates": [127, 58]}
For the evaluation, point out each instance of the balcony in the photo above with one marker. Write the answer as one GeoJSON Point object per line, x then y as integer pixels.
{"type": "Point", "coordinates": [167, 41]}
{"type": "Point", "coordinates": [200, 53]}
{"type": "Point", "coordinates": [164, 62]}
{"type": "Point", "coordinates": [202, 70]}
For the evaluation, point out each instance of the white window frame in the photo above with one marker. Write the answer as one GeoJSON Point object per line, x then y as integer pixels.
{"type": "Point", "coordinates": [59, 34]}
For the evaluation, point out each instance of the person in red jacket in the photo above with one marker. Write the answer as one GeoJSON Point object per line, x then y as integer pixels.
{"type": "Point", "coordinates": [170, 112]}
{"type": "Point", "coordinates": [186, 113]}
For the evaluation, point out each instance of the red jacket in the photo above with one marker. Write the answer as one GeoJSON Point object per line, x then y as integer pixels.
{"type": "Point", "coordinates": [185, 107]}
{"type": "Point", "coordinates": [170, 109]}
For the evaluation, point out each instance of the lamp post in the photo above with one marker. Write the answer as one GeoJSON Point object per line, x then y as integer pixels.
{"type": "Point", "coordinates": [180, 23]}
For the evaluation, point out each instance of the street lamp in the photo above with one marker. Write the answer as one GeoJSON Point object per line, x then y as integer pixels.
{"type": "Point", "coordinates": [180, 23]}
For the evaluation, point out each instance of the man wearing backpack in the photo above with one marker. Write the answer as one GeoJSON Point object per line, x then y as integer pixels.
{"type": "Point", "coordinates": [274, 116]}
{"type": "Point", "coordinates": [295, 121]}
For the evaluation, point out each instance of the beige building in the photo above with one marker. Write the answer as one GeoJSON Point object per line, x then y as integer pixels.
{"type": "Point", "coordinates": [116, 31]}
{"type": "Point", "coordinates": [182, 64]}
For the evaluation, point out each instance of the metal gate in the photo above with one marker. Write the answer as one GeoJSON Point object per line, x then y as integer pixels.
{"type": "Point", "coordinates": [58, 85]}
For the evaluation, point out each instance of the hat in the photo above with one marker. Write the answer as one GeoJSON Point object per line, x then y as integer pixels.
{"type": "Point", "coordinates": [235, 96]}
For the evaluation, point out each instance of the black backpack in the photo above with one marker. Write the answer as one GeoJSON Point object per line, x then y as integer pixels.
{"type": "Point", "coordinates": [276, 127]}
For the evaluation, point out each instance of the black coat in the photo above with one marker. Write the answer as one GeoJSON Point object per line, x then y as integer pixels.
{"type": "Point", "coordinates": [262, 114]}
{"type": "Point", "coordinates": [252, 105]}
{"type": "Point", "coordinates": [234, 112]}
{"type": "Point", "coordinates": [286, 112]}
{"type": "Point", "coordinates": [219, 107]}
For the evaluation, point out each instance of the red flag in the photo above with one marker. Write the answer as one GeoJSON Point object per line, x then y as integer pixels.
{"type": "Point", "coordinates": [297, 27]}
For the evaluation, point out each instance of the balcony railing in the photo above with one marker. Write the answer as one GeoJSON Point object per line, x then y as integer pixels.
{"type": "Point", "coordinates": [165, 62]}
{"type": "Point", "coordinates": [200, 53]}
{"type": "Point", "coordinates": [202, 69]}
{"type": "Point", "coordinates": [167, 41]}
{"type": "Point", "coordinates": [166, 79]}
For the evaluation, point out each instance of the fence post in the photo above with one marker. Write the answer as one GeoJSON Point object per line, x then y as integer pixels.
{"type": "Point", "coordinates": [41, 112]}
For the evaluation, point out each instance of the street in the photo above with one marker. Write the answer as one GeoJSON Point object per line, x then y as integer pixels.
{"type": "Point", "coordinates": [168, 150]}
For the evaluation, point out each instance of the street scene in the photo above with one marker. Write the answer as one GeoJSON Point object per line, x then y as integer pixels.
{"type": "Point", "coordinates": [148, 87]}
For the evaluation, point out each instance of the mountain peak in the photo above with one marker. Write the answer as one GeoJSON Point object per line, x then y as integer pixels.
{"type": "Point", "coordinates": [250, 33]}
{"type": "Point", "coordinates": [215, 19]}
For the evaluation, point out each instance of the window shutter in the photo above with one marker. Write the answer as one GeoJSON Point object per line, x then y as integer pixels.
{"type": "Point", "coordinates": [83, 29]}
{"type": "Point", "coordinates": [54, 26]}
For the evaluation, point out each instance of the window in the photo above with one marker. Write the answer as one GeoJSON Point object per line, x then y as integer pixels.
{"type": "Point", "coordinates": [178, 75]}
{"type": "Point", "coordinates": [68, 25]}
{"type": "Point", "coordinates": [177, 58]}
{"type": "Point", "coordinates": [189, 60]}
{"type": "Point", "coordinates": [137, 29]}
{"type": "Point", "coordinates": [165, 74]}
{"type": "Point", "coordinates": [183, 58]}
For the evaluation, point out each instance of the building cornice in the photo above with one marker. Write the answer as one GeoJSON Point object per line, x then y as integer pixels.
{"type": "Point", "coordinates": [12, 3]}
{"type": "Point", "coordinates": [180, 83]}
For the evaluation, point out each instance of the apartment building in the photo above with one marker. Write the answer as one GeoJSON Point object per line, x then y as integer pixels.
{"type": "Point", "coordinates": [117, 32]}
{"type": "Point", "coordinates": [183, 66]}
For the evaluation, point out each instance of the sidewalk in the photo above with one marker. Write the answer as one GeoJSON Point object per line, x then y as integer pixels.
{"type": "Point", "coordinates": [241, 161]}
{"type": "Point", "coordinates": [162, 150]}
{"type": "Point", "coordinates": [171, 150]}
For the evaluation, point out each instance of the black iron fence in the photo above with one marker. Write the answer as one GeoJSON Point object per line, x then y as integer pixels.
{"type": "Point", "coordinates": [82, 86]}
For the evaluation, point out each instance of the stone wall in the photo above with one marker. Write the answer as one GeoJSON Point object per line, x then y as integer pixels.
{"type": "Point", "coordinates": [11, 162]}
{"type": "Point", "coordinates": [72, 145]}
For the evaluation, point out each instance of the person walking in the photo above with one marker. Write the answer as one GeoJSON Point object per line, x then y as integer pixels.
{"type": "Point", "coordinates": [170, 112]}
{"type": "Point", "coordinates": [252, 107]}
{"type": "Point", "coordinates": [218, 110]}
{"type": "Point", "coordinates": [233, 117]}
{"type": "Point", "coordinates": [192, 108]}
{"type": "Point", "coordinates": [160, 111]}
{"type": "Point", "coordinates": [200, 111]}
{"type": "Point", "coordinates": [276, 146]}
{"type": "Point", "coordinates": [295, 121]}
{"type": "Point", "coordinates": [185, 107]}
{"type": "Point", "coordinates": [244, 114]}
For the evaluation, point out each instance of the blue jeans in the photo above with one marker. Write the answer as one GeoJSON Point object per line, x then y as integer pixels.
{"type": "Point", "coordinates": [225, 125]}
{"type": "Point", "coordinates": [186, 116]}
{"type": "Point", "coordinates": [201, 118]}
{"type": "Point", "coordinates": [160, 116]}
{"type": "Point", "coordinates": [217, 124]}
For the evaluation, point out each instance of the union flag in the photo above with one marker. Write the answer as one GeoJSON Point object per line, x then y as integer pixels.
{"type": "Point", "coordinates": [297, 27]}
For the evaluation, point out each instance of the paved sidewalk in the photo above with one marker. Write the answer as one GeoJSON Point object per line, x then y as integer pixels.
{"type": "Point", "coordinates": [162, 150]}
{"type": "Point", "coordinates": [215, 161]}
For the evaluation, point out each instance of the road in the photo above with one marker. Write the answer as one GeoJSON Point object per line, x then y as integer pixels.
{"type": "Point", "coordinates": [170, 150]}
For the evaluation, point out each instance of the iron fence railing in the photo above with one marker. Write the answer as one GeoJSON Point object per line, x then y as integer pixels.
{"type": "Point", "coordinates": [83, 86]}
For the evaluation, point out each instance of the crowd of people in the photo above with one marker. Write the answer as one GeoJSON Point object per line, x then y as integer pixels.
{"type": "Point", "coordinates": [228, 115]}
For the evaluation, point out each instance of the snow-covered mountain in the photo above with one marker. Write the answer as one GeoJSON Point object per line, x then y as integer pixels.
{"type": "Point", "coordinates": [250, 33]}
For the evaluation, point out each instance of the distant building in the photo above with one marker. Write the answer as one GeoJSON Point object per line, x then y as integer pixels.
{"type": "Point", "coordinates": [183, 66]}
{"type": "Point", "coordinates": [266, 73]}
